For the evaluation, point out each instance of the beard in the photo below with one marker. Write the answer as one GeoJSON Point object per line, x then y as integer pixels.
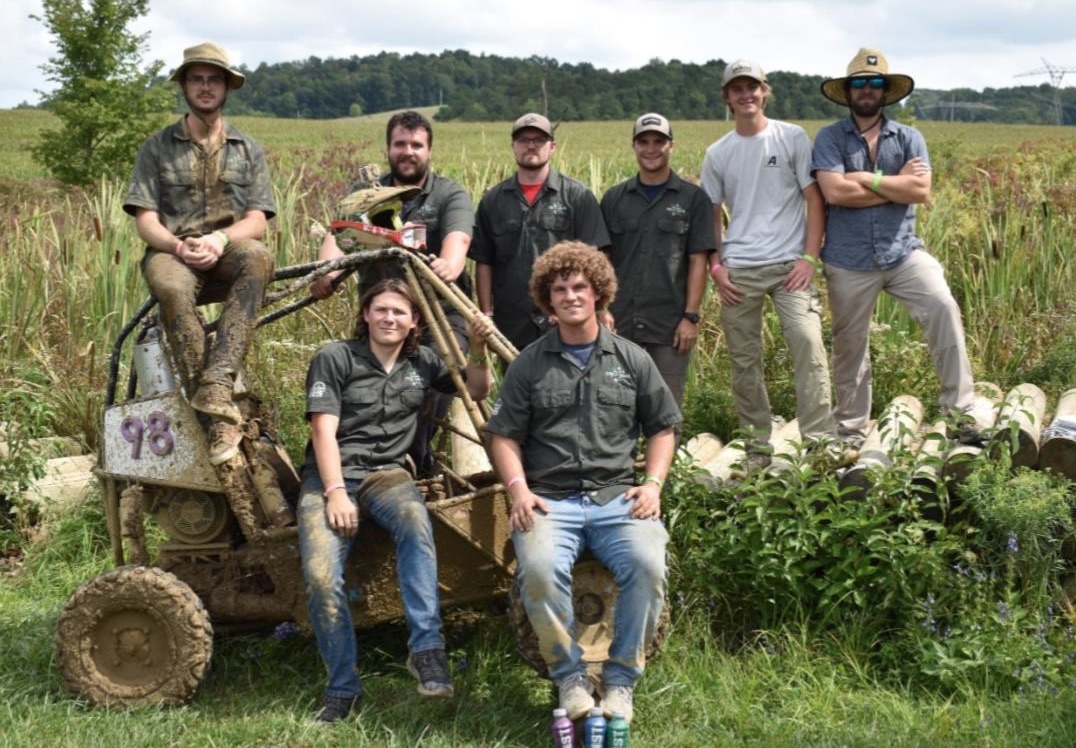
{"type": "Point", "coordinates": [866, 108]}
{"type": "Point", "coordinates": [201, 109]}
{"type": "Point", "coordinates": [417, 176]}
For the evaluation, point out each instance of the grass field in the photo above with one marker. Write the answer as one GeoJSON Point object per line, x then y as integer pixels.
{"type": "Point", "coordinates": [1002, 221]}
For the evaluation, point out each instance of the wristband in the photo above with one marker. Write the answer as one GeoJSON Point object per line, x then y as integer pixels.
{"type": "Point", "coordinates": [654, 479]}
{"type": "Point", "coordinates": [517, 479]}
{"type": "Point", "coordinates": [877, 181]}
{"type": "Point", "coordinates": [814, 261]}
{"type": "Point", "coordinates": [224, 240]}
{"type": "Point", "coordinates": [330, 489]}
{"type": "Point", "coordinates": [479, 361]}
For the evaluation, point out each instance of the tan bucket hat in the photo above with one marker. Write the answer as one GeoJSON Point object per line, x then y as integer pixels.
{"type": "Point", "coordinates": [208, 53]}
{"type": "Point", "coordinates": [869, 63]}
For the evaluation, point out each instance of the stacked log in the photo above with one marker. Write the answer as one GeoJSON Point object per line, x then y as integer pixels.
{"type": "Point", "coordinates": [1058, 451]}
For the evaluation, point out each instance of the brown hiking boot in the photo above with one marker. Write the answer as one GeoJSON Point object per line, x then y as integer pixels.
{"type": "Point", "coordinates": [215, 399]}
{"type": "Point", "coordinates": [224, 441]}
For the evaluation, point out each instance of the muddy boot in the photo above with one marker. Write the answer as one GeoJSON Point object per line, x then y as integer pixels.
{"type": "Point", "coordinates": [214, 398]}
{"type": "Point", "coordinates": [224, 441]}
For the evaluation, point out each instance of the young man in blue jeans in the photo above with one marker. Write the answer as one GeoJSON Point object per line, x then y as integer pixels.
{"type": "Point", "coordinates": [564, 433]}
{"type": "Point", "coordinates": [363, 397]}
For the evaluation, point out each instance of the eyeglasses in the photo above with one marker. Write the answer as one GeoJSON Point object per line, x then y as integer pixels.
{"type": "Point", "coordinates": [208, 81]}
{"type": "Point", "coordinates": [877, 83]}
{"type": "Point", "coordinates": [531, 142]}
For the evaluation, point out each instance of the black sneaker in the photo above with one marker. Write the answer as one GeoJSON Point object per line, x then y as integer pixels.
{"type": "Point", "coordinates": [335, 709]}
{"type": "Point", "coordinates": [431, 669]}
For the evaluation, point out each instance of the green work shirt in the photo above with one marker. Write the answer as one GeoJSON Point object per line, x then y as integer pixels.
{"type": "Point", "coordinates": [510, 234]}
{"type": "Point", "coordinates": [652, 242]}
{"type": "Point", "coordinates": [194, 191]}
{"type": "Point", "coordinates": [378, 411]}
{"type": "Point", "coordinates": [443, 206]}
{"type": "Point", "coordinates": [578, 427]}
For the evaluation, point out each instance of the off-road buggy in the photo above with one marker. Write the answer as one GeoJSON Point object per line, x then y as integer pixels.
{"type": "Point", "coordinates": [142, 633]}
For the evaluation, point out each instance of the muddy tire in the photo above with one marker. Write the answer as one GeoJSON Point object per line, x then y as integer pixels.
{"type": "Point", "coordinates": [134, 636]}
{"type": "Point", "coordinates": [594, 595]}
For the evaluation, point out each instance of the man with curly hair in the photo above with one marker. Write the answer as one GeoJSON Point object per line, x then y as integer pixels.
{"type": "Point", "coordinates": [564, 433]}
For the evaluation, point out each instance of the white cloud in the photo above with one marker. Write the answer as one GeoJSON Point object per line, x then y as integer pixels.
{"type": "Point", "coordinates": [941, 45]}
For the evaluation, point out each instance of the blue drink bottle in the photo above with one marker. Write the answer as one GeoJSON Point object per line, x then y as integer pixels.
{"type": "Point", "coordinates": [594, 729]}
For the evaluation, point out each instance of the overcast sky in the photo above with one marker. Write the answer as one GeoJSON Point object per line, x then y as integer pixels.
{"type": "Point", "coordinates": [941, 44]}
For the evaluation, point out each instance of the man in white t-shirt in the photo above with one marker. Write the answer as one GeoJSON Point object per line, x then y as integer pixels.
{"type": "Point", "coordinates": [762, 172]}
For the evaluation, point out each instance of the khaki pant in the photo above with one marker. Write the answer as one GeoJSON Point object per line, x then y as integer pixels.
{"type": "Point", "coordinates": [801, 322]}
{"type": "Point", "coordinates": [238, 280]}
{"type": "Point", "coordinates": [918, 283]}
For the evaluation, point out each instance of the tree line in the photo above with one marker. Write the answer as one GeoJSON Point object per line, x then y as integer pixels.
{"type": "Point", "coordinates": [482, 87]}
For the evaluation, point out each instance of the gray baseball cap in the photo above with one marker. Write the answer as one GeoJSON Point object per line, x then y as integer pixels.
{"type": "Point", "coordinates": [652, 122]}
{"type": "Point", "coordinates": [743, 69]}
{"type": "Point", "coordinates": [533, 120]}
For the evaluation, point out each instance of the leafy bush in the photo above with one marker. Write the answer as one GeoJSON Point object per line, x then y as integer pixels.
{"type": "Point", "coordinates": [23, 414]}
{"type": "Point", "coordinates": [972, 601]}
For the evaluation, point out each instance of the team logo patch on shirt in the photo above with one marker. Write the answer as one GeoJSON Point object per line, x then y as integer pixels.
{"type": "Point", "coordinates": [676, 210]}
{"type": "Point", "coordinates": [557, 208]}
{"type": "Point", "coordinates": [496, 408]}
{"type": "Point", "coordinates": [317, 389]}
{"type": "Point", "coordinates": [415, 380]}
{"type": "Point", "coordinates": [425, 212]}
{"type": "Point", "coordinates": [619, 376]}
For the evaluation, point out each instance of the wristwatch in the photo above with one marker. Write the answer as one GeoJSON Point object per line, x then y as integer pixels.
{"type": "Point", "coordinates": [691, 317]}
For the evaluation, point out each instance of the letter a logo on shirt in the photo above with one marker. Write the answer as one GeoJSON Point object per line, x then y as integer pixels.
{"type": "Point", "coordinates": [771, 161]}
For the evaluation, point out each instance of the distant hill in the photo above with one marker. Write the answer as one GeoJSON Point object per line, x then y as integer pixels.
{"type": "Point", "coordinates": [488, 87]}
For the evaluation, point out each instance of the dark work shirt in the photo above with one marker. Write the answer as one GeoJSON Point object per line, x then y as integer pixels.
{"type": "Point", "coordinates": [652, 244]}
{"type": "Point", "coordinates": [578, 426]}
{"type": "Point", "coordinates": [378, 412]}
{"type": "Point", "coordinates": [443, 206]}
{"type": "Point", "coordinates": [510, 235]}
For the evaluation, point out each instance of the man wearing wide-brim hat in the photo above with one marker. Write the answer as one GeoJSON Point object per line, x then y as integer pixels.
{"type": "Point", "coordinates": [200, 195]}
{"type": "Point", "coordinates": [873, 171]}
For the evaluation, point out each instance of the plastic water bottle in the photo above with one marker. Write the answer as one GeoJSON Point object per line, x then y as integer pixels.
{"type": "Point", "coordinates": [616, 735]}
{"type": "Point", "coordinates": [594, 729]}
{"type": "Point", "coordinates": [563, 729]}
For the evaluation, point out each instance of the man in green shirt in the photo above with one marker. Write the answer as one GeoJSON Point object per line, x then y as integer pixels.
{"type": "Point", "coordinates": [200, 195]}
{"type": "Point", "coordinates": [564, 432]}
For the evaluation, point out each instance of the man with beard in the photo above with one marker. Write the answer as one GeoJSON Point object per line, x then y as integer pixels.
{"type": "Point", "coordinates": [873, 172]}
{"type": "Point", "coordinates": [520, 219]}
{"type": "Point", "coordinates": [444, 207]}
{"type": "Point", "coordinates": [662, 233]}
{"type": "Point", "coordinates": [200, 195]}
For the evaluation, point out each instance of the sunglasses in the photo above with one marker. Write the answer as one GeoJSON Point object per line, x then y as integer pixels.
{"type": "Point", "coordinates": [876, 83]}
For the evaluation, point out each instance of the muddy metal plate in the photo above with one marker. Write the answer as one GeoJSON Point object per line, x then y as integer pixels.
{"type": "Point", "coordinates": [157, 440]}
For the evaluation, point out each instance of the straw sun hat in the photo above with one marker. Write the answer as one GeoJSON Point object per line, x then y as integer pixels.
{"type": "Point", "coordinates": [869, 63]}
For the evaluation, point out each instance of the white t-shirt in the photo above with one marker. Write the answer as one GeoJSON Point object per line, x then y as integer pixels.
{"type": "Point", "coordinates": [761, 178]}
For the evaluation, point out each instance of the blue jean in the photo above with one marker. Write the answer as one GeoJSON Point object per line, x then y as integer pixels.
{"type": "Point", "coordinates": [391, 499]}
{"type": "Point", "coordinates": [633, 550]}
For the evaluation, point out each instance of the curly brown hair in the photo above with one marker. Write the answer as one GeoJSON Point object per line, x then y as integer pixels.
{"type": "Point", "coordinates": [563, 260]}
{"type": "Point", "coordinates": [396, 286]}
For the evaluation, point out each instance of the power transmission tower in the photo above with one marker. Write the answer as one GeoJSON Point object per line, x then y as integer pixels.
{"type": "Point", "coordinates": [1056, 73]}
